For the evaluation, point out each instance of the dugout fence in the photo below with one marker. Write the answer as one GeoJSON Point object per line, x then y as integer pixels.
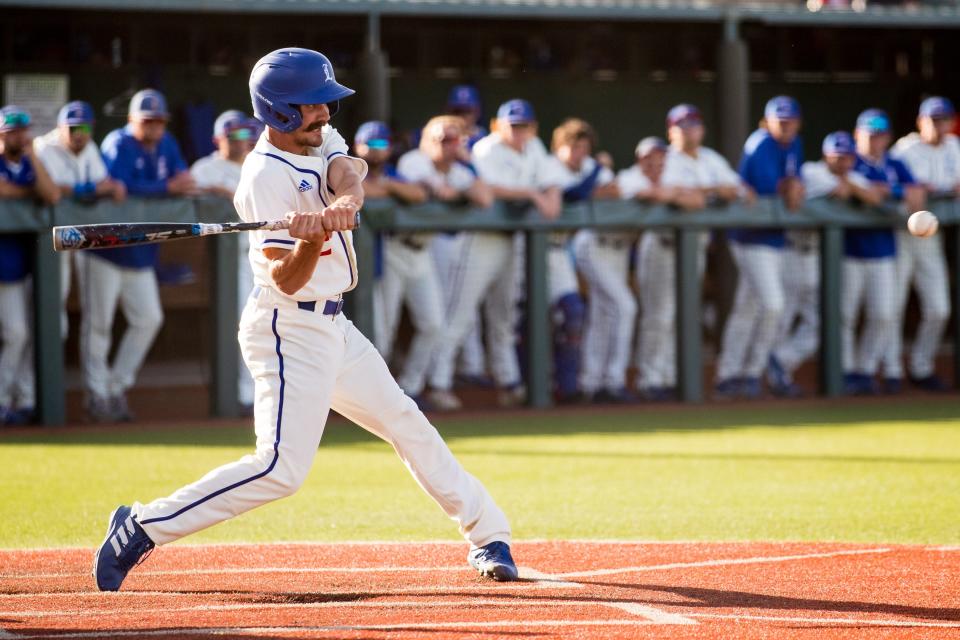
{"type": "Point", "coordinates": [828, 217]}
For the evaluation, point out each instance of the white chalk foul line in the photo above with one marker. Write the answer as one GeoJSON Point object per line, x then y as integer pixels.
{"type": "Point", "coordinates": [715, 563]}
{"type": "Point", "coordinates": [249, 570]}
{"type": "Point", "coordinates": [850, 621]}
{"type": "Point", "coordinates": [632, 608]}
{"type": "Point", "coordinates": [273, 631]}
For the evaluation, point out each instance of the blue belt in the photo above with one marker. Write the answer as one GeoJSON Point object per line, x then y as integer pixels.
{"type": "Point", "coordinates": [330, 307]}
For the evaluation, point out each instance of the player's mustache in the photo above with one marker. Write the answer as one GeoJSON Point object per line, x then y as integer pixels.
{"type": "Point", "coordinates": [316, 125]}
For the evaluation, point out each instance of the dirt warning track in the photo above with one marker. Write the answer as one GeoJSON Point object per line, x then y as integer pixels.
{"type": "Point", "coordinates": [569, 590]}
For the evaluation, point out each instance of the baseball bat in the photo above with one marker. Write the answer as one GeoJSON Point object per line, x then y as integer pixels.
{"type": "Point", "coordinates": [121, 234]}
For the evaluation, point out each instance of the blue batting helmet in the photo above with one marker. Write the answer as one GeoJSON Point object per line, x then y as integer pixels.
{"type": "Point", "coordinates": [285, 78]}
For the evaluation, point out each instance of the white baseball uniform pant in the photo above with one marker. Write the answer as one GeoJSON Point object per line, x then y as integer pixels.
{"type": "Point", "coordinates": [920, 262]}
{"type": "Point", "coordinates": [65, 271]}
{"type": "Point", "coordinates": [446, 250]}
{"type": "Point", "coordinates": [244, 287]}
{"type": "Point", "coordinates": [16, 356]}
{"type": "Point", "coordinates": [799, 333]}
{"type": "Point", "coordinates": [657, 279]}
{"type": "Point", "coordinates": [103, 284]}
{"type": "Point", "coordinates": [303, 364]}
{"type": "Point", "coordinates": [486, 280]}
{"type": "Point", "coordinates": [409, 275]}
{"type": "Point", "coordinates": [755, 316]}
{"type": "Point", "coordinates": [870, 282]}
{"type": "Point", "coordinates": [611, 313]}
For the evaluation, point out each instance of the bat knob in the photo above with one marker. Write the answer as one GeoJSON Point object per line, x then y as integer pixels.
{"type": "Point", "coordinates": [66, 238]}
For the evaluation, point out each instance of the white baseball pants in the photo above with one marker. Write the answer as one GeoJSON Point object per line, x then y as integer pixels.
{"type": "Point", "coordinates": [409, 275]}
{"type": "Point", "coordinates": [102, 285]}
{"type": "Point", "coordinates": [16, 356]}
{"type": "Point", "coordinates": [244, 287]}
{"type": "Point", "coordinates": [920, 262]}
{"type": "Point", "coordinates": [611, 312]}
{"type": "Point", "coordinates": [799, 333]}
{"type": "Point", "coordinates": [870, 282]}
{"type": "Point", "coordinates": [446, 250]}
{"type": "Point", "coordinates": [657, 278]}
{"type": "Point", "coordinates": [486, 280]}
{"type": "Point", "coordinates": [303, 364]}
{"type": "Point", "coordinates": [755, 316]}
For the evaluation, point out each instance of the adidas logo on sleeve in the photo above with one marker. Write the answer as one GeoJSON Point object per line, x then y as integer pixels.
{"type": "Point", "coordinates": [305, 186]}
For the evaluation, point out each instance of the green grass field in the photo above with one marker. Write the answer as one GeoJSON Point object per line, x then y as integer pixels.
{"type": "Point", "coordinates": [883, 472]}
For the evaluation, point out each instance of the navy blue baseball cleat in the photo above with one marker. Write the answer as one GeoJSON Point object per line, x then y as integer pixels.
{"type": "Point", "coordinates": [125, 546]}
{"type": "Point", "coordinates": [494, 561]}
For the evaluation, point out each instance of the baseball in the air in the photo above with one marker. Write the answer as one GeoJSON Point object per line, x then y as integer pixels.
{"type": "Point", "coordinates": [923, 224]}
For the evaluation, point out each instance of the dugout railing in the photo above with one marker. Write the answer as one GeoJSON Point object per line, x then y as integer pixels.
{"type": "Point", "coordinates": [829, 217]}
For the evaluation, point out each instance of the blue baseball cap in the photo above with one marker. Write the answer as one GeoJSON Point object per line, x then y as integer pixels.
{"type": "Point", "coordinates": [463, 96]}
{"type": "Point", "coordinates": [838, 143]}
{"type": "Point", "coordinates": [76, 112]}
{"type": "Point", "coordinates": [782, 108]}
{"type": "Point", "coordinates": [148, 104]}
{"type": "Point", "coordinates": [873, 121]}
{"type": "Point", "coordinates": [937, 107]}
{"type": "Point", "coordinates": [516, 111]}
{"type": "Point", "coordinates": [13, 117]}
{"type": "Point", "coordinates": [375, 134]}
{"type": "Point", "coordinates": [683, 113]}
{"type": "Point", "coordinates": [650, 144]}
{"type": "Point", "coordinates": [230, 121]}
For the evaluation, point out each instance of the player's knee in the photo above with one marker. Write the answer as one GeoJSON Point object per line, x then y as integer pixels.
{"type": "Point", "coordinates": [772, 307]}
{"type": "Point", "coordinates": [288, 475]}
{"type": "Point", "coordinates": [148, 320]}
{"type": "Point", "coordinates": [16, 335]}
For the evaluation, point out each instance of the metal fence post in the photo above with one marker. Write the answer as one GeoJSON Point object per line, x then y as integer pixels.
{"type": "Point", "coordinates": [689, 338]}
{"type": "Point", "coordinates": [225, 365]}
{"type": "Point", "coordinates": [831, 276]}
{"type": "Point", "coordinates": [538, 330]}
{"type": "Point", "coordinates": [48, 344]}
{"type": "Point", "coordinates": [360, 300]}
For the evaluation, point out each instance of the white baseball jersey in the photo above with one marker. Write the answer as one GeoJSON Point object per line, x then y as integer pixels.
{"type": "Point", "coordinates": [570, 178]}
{"type": "Point", "coordinates": [632, 182]}
{"type": "Point", "coordinates": [705, 170]}
{"type": "Point", "coordinates": [416, 166]}
{"type": "Point", "coordinates": [502, 166]}
{"type": "Point", "coordinates": [336, 271]}
{"type": "Point", "coordinates": [66, 168]}
{"type": "Point", "coordinates": [819, 181]}
{"type": "Point", "coordinates": [216, 171]}
{"type": "Point", "coordinates": [937, 167]}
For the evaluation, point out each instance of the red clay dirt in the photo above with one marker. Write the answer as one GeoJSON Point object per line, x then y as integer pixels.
{"type": "Point", "coordinates": [570, 590]}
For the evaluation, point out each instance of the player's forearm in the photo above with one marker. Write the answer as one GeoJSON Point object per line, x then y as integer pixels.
{"type": "Point", "coordinates": [293, 270]}
{"type": "Point", "coordinates": [46, 189]}
{"type": "Point", "coordinates": [503, 193]}
{"type": "Point", "coordinates": [407, 192]}
{"type": "Point", "coordinates": [869, 195]}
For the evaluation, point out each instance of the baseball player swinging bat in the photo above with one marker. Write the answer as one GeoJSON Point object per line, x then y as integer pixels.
{"type": "Point", "coordinates": [98, 236]}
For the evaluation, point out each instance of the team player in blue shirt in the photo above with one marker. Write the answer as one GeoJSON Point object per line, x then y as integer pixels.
{"type": "Point", "coordinates": [869, 268]}
{"type": "Point", "coordinates": [147, 160]}
{"type": "Point", "coordinates": [771, 162]}
{"type": "Point", "coordinates": [21, 176]}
